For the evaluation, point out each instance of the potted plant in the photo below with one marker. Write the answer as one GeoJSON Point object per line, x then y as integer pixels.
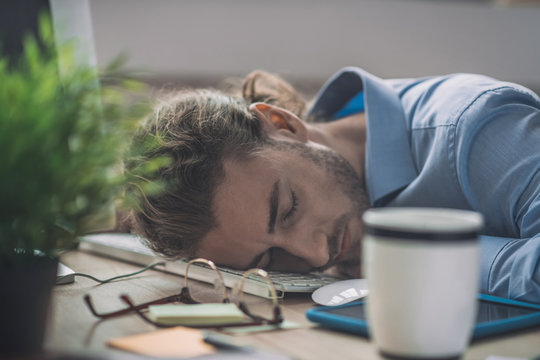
{"type": "Point", "coordinates": [61, 142]}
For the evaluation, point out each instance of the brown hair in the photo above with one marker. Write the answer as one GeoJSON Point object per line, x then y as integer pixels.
{"type": "Point", "coordinates": [197, 130]}
{"type": "Point", "coordinates": [260, 86]}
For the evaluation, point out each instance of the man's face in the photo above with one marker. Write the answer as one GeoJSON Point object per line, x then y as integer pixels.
{"type": "Point", "coordinates": [295, 207]}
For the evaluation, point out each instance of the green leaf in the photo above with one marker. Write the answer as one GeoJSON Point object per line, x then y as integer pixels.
{"type": "Point", "coordinates": [63, 138]}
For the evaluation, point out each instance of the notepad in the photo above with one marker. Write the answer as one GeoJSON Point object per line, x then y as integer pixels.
{"type": "Point", "coordinates": [198, 314]}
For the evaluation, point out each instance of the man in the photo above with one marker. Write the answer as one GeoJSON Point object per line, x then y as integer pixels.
{"type": "Point", "coordinates": [254, 185]}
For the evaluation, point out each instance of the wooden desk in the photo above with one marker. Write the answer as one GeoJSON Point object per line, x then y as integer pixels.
{"type": "Point", "coordinates": [73, 329]}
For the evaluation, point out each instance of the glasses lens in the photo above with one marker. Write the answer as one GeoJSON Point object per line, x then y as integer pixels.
{"type": "Point", "coordinates": [262, 307]}
{"type": "Point", "coordinates": [212, 290]}
{"type": "Point", "coordinates": [206, 292]}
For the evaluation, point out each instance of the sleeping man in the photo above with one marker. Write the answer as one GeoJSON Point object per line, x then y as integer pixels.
{"type": "Point", "coordinates": [260, 179]}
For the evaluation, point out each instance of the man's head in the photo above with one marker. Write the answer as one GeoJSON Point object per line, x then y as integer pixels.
{"type": "Point", "coordinates": [249, 188]}
{"type": "Point", "coordinates": [293, 206]}
{"type": "Point", "coordinates": [196, 130]}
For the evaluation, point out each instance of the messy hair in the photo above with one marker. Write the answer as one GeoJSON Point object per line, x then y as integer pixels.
{"type": "Point", "coordinates": [197, 130]}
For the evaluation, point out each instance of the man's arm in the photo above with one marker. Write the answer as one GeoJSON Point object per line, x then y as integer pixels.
{"type": "Point", "coordinates": [499, 171]}
{"type": "Point", "coordinates": [511, 267]}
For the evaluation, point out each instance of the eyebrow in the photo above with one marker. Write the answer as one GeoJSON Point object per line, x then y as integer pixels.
{"type": "Point", "coordinates": [273, 207]}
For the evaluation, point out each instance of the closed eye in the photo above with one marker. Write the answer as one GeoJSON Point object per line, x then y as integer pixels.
{"type": "Point", "coordinates": [293, 208]}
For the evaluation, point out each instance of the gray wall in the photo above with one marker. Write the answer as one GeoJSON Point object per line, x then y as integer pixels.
{"type": "Point", "coordinates": [311, 39]}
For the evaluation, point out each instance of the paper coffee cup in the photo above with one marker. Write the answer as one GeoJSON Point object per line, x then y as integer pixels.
{"type": "Point", "coordinates": [423, 271]}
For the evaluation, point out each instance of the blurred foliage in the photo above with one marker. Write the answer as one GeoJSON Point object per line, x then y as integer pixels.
{"type": "Point", "coordinates": [62, 138]}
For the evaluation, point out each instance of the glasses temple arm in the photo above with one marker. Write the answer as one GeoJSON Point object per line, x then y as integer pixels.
{"type": "Point", "coordinates": [166, 300]}
{"type": "Point", "coordinates": [137, 311]}
{"type": "Point", "coordinates": [90, 306]}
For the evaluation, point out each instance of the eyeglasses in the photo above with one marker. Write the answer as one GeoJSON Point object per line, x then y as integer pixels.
{"type": "Point", "coordinates": [259, 311]}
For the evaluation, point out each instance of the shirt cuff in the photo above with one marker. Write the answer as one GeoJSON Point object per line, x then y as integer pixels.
{"type": "Point", "coordinates": [490, 246]}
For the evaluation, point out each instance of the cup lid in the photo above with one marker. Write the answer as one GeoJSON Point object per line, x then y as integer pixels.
{"type": "Point", "coordinates": [423, 220]}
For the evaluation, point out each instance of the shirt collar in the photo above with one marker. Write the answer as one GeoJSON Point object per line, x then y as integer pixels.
{"type": "Point", "coordinates": [389, 166]}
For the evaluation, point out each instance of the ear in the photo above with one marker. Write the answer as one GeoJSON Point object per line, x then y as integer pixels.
{"type": "Point", "coordinates": [280, 123]}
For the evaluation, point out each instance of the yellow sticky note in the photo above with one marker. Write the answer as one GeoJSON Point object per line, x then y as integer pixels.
{"type": "Point", "coordinates": [198, 314]}
{"type": "Point", "coordinates": [174, 342]}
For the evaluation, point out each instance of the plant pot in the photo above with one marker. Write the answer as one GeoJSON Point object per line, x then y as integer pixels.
{"type": "Point", "coordinates": [24, 304]}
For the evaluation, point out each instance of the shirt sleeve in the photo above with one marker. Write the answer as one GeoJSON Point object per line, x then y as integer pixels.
{"type": "Point", "coordinates": [499, 171]}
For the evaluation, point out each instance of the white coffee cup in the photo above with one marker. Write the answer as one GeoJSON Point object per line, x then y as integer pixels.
{"type": "Point", "coordinates": [423, 272]}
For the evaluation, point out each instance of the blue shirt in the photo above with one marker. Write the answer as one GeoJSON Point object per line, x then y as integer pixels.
{"type": "Point", "coordinates": [458, 141]}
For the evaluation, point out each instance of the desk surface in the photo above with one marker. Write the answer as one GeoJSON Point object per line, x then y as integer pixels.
{"type": "Point", "coordinates": [73, 329]}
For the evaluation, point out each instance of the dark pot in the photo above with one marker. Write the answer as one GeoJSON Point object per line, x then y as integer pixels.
{"type": "Point", "coordinates": [24, 304]}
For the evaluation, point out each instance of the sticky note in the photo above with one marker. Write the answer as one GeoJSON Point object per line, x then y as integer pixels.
{"type": "Point", "coordinates": [198, 314]}
{"type": "Point", "coordinates": [172, 343]}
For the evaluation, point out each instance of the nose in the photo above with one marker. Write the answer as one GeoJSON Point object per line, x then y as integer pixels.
{"type": "Point", "coordinates": [311, 246]}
